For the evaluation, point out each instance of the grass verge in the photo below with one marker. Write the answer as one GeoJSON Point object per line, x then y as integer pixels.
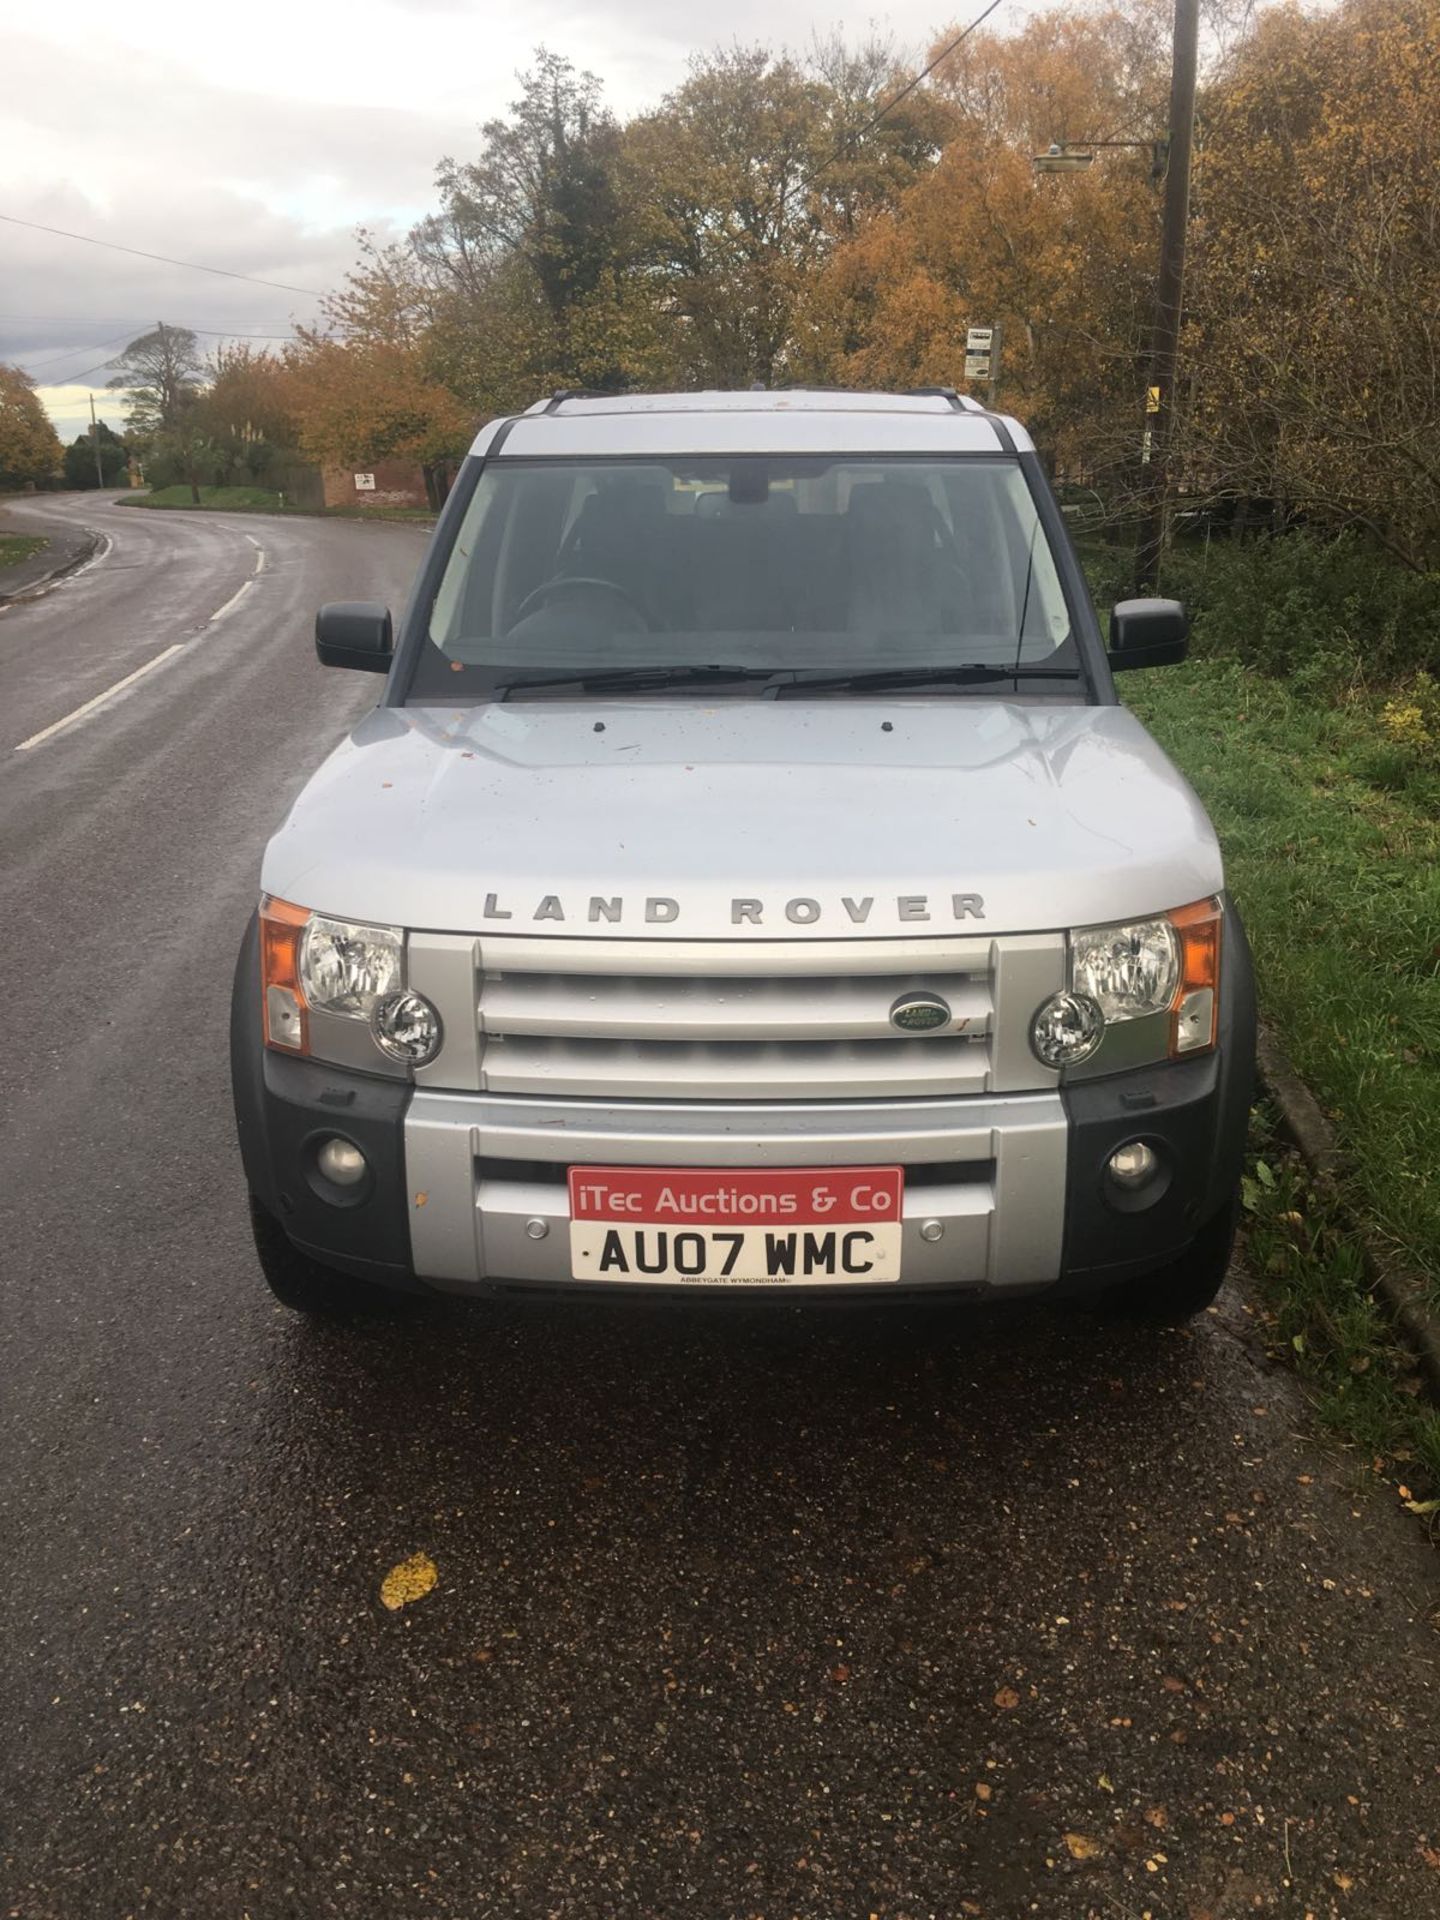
{"type": "Point", "coordinates": [15, 547]}
{"type": "Point", "coordinates": [1321, 1314]}
{"type": "Point", "coordinates": [1329, 815]}
{"type": "Point", "coordinates": [264, 500]}
{"type": "Point", "coordinates": [181, 496]}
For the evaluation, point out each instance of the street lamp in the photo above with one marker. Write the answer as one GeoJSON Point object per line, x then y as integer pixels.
{"type": "Point", "coordinates": [1074, 156]}
{"type": "Point", "coordinates": [1064, 159]}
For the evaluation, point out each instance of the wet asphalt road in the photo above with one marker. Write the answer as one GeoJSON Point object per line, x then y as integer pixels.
{"type": "Point", "coordinates": [738, 1613]}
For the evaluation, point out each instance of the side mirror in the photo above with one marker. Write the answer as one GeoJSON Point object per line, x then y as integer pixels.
{"type": "Point", "coordinates": [355, 633]}
{"type": "Point", "coordinates": [1148, 633]}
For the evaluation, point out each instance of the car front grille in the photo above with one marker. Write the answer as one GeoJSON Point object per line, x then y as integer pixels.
{"type": "Point", "coordinates": [733, 1020]}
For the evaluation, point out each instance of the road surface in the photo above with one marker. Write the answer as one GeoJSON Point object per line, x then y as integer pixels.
{"type": "Point", "coordinates": [738, 1613]}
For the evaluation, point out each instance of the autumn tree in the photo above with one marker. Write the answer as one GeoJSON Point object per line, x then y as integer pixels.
{"type": "Point", "coordinates": [777, 217]}
{"type": "Point", "coordinates": [1064, 265]}
{"type": "Point", "coordinates": [247, 412]}
{"type": "Point", "coordinates": [30, 452]}
{"type": "Point", "coordinates": [161, 375]}
{"type": "Point", "coordinates": [358, 403]}
{"type": "Point", "coordinates": [530, 237]}
{"type": "Point", "coordinates": [542, 192]}
{"type": "Point", "coordinates": [745, 176]}
{"type": "Point", "coordinates": [250, 394]}
{"type": "Point", "coordinates": [575, 252]}
{"type": "Point", "coordinates": [1314, 341]}
{"type": "Point", "coordinates": [365, 387]}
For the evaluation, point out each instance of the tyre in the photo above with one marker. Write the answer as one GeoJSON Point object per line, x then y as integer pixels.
{"type": "Point", "coordinates": [1175, 1293]}
{"type": "Point", "coordinates": [305, 1284]}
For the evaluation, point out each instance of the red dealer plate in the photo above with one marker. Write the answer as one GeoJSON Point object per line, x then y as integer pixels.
{"type": "Point", "coordinates": [736, 1226]}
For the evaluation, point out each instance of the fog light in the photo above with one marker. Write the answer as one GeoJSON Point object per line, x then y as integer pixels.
{"type": "Point", "coordinates": [343, 1162]}
{"type": "Point", "coordinates": [407, 1027]}
{"type": "Point", "coordinates": [1067, 1029]}
{"type": "Point", "coordinates": [1131, 1166]}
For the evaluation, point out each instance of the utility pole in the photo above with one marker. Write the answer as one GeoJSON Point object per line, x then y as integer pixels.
{"type": "Point", "coordinates": [993, 384]}
{"type": "Point", "coordinates": [1169, 298]}
{"type": "Point", "coordinates": [95, 442]}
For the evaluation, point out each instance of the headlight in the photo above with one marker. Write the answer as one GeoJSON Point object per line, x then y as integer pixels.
{"type": "Point", "coordinates": [1066, 1030]}
{"type": "Point", "coordinates": [1164, 971]}
{"type": "Point", "coordinates": [1127, 971]}
{"type": "Point", "coordinates": [406, 1027]}
{"type": "Point", "coordinates": [345, 967]}
{"type": "Point", "coordinates": [317, 971]}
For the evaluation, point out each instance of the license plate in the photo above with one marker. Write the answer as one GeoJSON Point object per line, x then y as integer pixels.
{"type": "Point", "coordinates": [736, 1227]}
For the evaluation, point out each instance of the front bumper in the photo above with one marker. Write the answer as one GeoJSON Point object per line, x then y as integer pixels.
{"type": "Point", "coordinates": [467, 1192]}
{"type": "Point", "coordinates": [988, 1173]}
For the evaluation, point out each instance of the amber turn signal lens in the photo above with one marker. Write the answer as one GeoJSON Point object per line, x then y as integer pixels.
{"type": "Point", "coordinates": [282, 1002]}
{"type": "Point", "coordinates": [1195, 1016]}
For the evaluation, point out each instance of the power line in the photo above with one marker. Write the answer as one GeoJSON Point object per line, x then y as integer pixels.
{"type": "Point", "coordinates": [145, 326]}
{"type": "Point", "coordinates": [69, 353]}
{"type": "Point", "coordinates": [71, 379]}
{"type": "Point", "coordinates": [192, 266]}
{"type": "Point", "coordinates": [120, 340]}
{"type": "Point", "coordinates": [853, 140]}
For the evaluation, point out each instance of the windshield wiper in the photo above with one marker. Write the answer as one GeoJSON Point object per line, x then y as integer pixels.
{"type": "Point", "coordinates": [879, 680]}
{"type": "Point", "coordinates": [637, 679]}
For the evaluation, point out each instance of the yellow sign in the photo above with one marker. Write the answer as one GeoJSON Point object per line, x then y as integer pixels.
{"type": "Point", "coordinates": [1152, 399]}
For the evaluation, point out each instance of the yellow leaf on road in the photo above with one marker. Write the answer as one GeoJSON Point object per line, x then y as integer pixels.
{"type": "Point", "coordinates": [1081, 1846]}
{"type": "Point", "coordinates": [411, 1580]}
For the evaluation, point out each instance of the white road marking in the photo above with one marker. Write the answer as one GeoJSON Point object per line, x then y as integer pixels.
{"type": "Point", "coordinates": [220, 613]}
{"type": "Point", "coordinates": [100, 698]}
{"type": "Point", "coordinates": [106, 547]}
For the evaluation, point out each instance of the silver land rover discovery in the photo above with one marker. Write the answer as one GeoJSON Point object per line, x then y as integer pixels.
{"type": "Point", "coordinates": [748, 878]}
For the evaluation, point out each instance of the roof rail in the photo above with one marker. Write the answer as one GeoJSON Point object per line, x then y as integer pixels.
{"type": "Point", "coordinates": [962, 402]}
{"type": "Point", "coordinates": [562, 394]}
{"type": "Point", "coordinates": [936, 393]}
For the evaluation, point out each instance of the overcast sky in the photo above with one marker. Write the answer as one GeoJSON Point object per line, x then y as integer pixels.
{"type": "Point", "coordinates": [257, 138]}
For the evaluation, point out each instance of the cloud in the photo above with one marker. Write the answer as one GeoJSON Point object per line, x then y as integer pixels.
{"type": "Point", "coordinates": [69, 306]}
{"type": "Point", "coordinates": [258, 143]}
{"type": "Point", "coordinates": [135, 149]}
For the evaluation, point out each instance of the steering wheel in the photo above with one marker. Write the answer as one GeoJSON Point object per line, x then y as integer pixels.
{"type": "Point", "coordinates": [539, 595]}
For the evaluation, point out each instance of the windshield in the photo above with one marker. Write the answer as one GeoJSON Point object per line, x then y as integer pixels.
{"type": "Point", "coordinates": [828, 566]}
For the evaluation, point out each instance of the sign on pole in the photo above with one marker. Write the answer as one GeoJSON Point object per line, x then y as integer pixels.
{"type": "Point", "coordinates": [979, 342]}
